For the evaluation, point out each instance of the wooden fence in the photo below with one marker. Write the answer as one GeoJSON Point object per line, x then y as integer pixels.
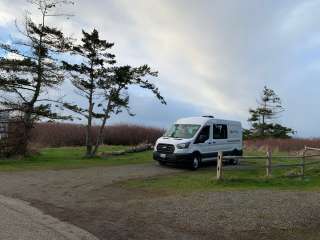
{"type": "Point", "coordinates": [269, 166]}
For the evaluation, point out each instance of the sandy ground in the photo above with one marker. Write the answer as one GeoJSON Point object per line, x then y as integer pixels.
{"type": "Point", "coordinates": [92, 199]}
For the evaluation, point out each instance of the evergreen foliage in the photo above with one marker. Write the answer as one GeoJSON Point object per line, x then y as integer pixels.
{"type": "Point", "coordinates": [263, 117]}
{"type": "Point", "coordinates": [33, 68]}
{"type": "Point", "coordinates": [103, 85]}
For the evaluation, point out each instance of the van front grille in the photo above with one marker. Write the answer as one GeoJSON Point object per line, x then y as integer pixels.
{"type": "Point", "coordinates": [165, 148]}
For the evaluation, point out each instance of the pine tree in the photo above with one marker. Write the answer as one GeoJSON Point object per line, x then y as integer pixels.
{"type": "Point", "coordinates": [104, 86]}
{"type": "Point", "coordinates": [262, 118]}
{"type": "Point", "coordinates": [26, 78]}
{"type": "Point", "coordinates": [115, 94]}
{"type": "Point", "coordinates": [85, 76]}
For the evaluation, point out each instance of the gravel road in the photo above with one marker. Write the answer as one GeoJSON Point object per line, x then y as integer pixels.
{"type": "Point", "coordinates": [92, 199]}
{"type": "Point", "coordinates": [21, 221]}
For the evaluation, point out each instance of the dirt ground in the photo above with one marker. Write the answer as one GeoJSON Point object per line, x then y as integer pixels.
{"type": "Point", "coordinates": [91, 199]}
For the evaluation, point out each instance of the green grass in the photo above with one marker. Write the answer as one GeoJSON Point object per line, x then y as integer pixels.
{"type": "Point", "coordinates": [204, 180]}
{"type": "Point", "coordinates": [72, 157]}
{"type": "Point", "coordinates": [235, 179]}
{"type": "Point", "coordinates": [186, 181]}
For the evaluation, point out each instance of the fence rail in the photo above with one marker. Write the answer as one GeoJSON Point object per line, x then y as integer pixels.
{"type": "Point", "coordinates": [269, 157]}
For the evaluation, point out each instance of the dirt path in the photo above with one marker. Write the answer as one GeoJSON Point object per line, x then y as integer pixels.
{"type": "Point", "coordinates": [66, 188]}
{"type": "Point", "coordinates": [91, 199]}
{"type": "Point", "coordinates": [21, 221]}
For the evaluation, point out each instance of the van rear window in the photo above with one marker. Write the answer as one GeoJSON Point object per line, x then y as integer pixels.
{"type": "Point", "coordinates": [182, 131]}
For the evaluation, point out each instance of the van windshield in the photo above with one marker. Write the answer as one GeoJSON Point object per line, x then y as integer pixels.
{"type": "Point", "coordinates": [182, 131]}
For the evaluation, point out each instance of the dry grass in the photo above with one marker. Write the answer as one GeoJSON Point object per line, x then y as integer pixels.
{"type": "Point", "coordinates": [282, 145]}
{"type": "Point", "coordinates": [66, 134]}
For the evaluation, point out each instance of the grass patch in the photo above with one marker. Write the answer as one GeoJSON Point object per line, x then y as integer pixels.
{"type": "Point", "coordinates": [187, 181]}
{"type": "Point", "coordinates": [235, 179]}
{"type": "Point", "coordinates": [72, 157]}
{"type": "Point", "coordinates": [204, 180]}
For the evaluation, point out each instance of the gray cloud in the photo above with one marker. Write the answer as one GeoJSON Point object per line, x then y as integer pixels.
{"type": "Point", "coordinates": [213, 56]}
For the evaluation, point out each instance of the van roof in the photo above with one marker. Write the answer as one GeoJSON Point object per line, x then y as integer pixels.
{"type": "Point", "coordinates": [203, 120]}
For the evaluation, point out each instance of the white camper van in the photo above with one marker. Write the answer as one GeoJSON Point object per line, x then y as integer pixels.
{"type": "Point", "coordinates": [196, 140]}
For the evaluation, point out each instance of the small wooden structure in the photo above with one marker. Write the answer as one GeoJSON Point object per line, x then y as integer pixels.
{"type": "Point", "coordinates": [4, 120]}
{"type": "Point", "coordinates": [11, 132]}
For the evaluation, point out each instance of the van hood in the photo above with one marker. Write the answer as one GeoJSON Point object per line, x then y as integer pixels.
{"type": "Point", "coordinates": [174, 141]}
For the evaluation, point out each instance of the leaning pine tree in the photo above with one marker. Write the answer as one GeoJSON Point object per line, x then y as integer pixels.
{"type": "Point", "coordinates": [85, 76]}
{"type": "Point", "coordinates": [33, 69]}
{"type": "Point", "coordinates": [103, 86]}
{"type": "Point", "coordinates": [115, 92]}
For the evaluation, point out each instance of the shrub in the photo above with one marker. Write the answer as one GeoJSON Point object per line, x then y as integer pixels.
{"type": "Point", "coordinates": [67, 134]}
{"type": "Point", "coordinates": [288, 145]}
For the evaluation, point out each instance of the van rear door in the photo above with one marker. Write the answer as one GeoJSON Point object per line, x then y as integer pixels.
{"type": "Point", "coordinates": [235, 136]}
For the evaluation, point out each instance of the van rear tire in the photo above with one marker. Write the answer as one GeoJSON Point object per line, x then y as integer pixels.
{"type": "Point", "coordinates": [234, 162]}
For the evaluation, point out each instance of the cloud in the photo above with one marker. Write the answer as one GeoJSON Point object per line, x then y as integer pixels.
{"type": "Point", "coordinates": [13, 56]}
{"type": "Point", "coordinates": [212, 56]}
{"type": "Point", "coordinates": [6, 15]}
{"type": "Point", "coordinates": [11, 11]}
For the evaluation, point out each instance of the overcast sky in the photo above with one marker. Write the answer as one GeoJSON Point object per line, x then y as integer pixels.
{"type": "Point", "coordinates": [213, 56]}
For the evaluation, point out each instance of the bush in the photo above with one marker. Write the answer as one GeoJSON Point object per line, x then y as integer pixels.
{"type": "Point", "coordinates": [67, 134]}
{"type": "Point", "coordinates": [288, 145]}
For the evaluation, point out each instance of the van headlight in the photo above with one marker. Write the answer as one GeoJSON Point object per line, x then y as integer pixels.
{"type": "Point", "coordinates": [183, 145]}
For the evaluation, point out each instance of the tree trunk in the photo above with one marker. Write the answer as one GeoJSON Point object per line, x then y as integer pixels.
{"type": "Point", "coordinates": [101, 129]}
{"type": "Point", "coordinates": [263, 119]}
{"type": "Point", "coordinates": [27, 125]}
{"type": "Point", "coordinates": [27, 118]}
{"type": "Point", "coordinates": [263, 122]}
{"type": "Point", "coordinates": [89, 133]}
{"type": "Point", "coordinates": [100, 135]}
{"type": "Point", "coordinates": [89, 126]}
{"type": "Point", "coordinates": [88, 141]}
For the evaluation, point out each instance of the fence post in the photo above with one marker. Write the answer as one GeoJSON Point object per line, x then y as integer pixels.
{"type": "Point", "coordinates": [268, 163]}
{"type": "Point", "coordinates": [303, 161]}
{"type": "Point", "coordinates": [220, 166]}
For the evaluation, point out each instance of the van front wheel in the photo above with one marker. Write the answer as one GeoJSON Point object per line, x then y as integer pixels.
{"type": "Point", "coordinates": [161, 163]}
{"type": "Point", "coordinates": [195, 162]}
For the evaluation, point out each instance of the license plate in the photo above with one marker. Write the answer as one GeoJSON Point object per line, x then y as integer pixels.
{"type": "Point", "coordinates": [162, 155]}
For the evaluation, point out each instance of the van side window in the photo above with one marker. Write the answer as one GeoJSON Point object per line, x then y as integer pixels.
{"type": "Point", "coordinates": [203, 135]}
{"type": "Point", "coordinates": [220, 131]}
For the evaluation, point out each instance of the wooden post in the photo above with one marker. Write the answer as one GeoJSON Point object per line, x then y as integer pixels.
{"type": "Point", "coordinates": [269, 163]}
{"type": "Point", "coordinates": [303, 161]}
{"type": "Point", "coordinates": [220, 166]}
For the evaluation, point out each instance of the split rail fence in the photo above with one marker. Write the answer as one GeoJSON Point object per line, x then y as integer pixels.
{"type": "Point", "coordinates": [303, 160]}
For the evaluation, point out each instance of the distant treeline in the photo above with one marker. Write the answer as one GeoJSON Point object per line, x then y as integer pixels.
{"type": "Point", "coordinates": [67, 134]}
